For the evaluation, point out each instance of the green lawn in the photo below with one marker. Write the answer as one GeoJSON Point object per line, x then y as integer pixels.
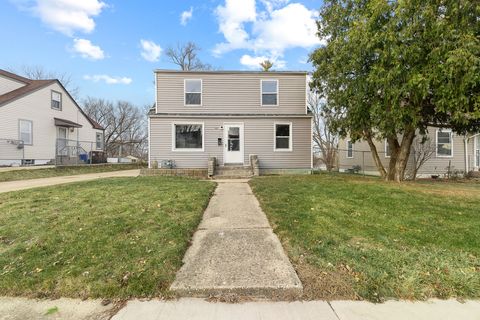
{"type": "Point", "coordinates": [361, 238]}
{"type": "Point", "coordinates": [110, 238]}
{"type": "Point", "coordinates": [24, 174]}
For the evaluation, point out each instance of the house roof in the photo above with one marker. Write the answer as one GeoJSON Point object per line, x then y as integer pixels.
{"type": "Point", "coordinates": [229, 71]}
{"type": "Point", "coordinates": [32, 86]}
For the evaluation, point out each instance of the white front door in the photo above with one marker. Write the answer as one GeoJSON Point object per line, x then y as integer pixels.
{"type": "Point", "coordinates": [233, 142]}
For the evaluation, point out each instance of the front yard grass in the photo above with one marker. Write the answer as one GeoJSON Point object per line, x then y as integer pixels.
{"type": "Point", "coordinates": [110, 238]}
{"type": "Point", "coordinates": [23, 174]}
{"type": "Point", "coordinates": [353, 237]}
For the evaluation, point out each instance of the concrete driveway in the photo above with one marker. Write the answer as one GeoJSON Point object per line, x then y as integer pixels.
{"type": "Point", "coordinates": [44, 182]}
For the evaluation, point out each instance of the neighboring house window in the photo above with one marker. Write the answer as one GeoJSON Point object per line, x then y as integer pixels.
{"type": "Point", "coordinates": [56, 100]}
{"type": "Point", "coordinates": [349, 149]}
{"type": "Point", "coordinates": [387, 149]}
{"type": "Point", "coordinates": [188, 136]}
{"type": "Point", "coordinates": [99, 140]}
{"type": "Point", "coordinates": [283, 137]}
{"type": "Point", "coordinates": [25, 131]}
{"type": "Point", "coordinates": [193, 92]}
{"type": "Point", "coordinates": [444, 143]}
{"type": "Point", "coordinates": [269, 92]}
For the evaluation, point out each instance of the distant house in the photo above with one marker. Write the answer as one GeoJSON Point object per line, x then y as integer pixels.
{"type": "Point", "coordinates": [448, 152]}
{"type": "Point", "coordinates": [231, 115]}
{"type": "Point", "coordinates": [41, 123]}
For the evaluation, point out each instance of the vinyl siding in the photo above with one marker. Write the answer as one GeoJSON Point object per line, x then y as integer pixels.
{"type": "Point", "coordinates": [7, 85]}
{"type": "Point", "coordinates": [36, 107]}
{"type": "Point", "coordinates": [435, 165]}
{"type": "Point", "coordinates": [258, 135]}
{"type": "Point", "coordinates": [231, 93]}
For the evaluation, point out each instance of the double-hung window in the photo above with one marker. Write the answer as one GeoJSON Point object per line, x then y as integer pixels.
{"type": "Point", "coordinates": [387, 149]}
{"type": "Point", "coordinates": [187, 136]}
{"type": "Point", "coordinates": [444, 143]}
{"type": "Point", "coordinates": [99, 140]}
{"type": "Point", "coordinates": [56, 100]}
{"type": "Point", "coordinates": [269, 92]}
{"type": "Point", "coordinates": [349, 149]}
{"type": "Point", "coordinates": [193, 92]}
{"type": "Point", "coordinates": [283, 136]}
{"type": "Point", "coordinates": [25, 131]}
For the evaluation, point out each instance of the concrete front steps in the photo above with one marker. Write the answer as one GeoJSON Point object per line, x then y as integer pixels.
{"type": "Point", "coordinates": [233, 172]}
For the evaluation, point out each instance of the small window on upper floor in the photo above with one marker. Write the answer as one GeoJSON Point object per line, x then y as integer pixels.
{"type": "Point", "coordinates": [269, 92]}
{"type": "Point", "coordinates": [193, 92]}
{"type": "Point", "coordinates": [56, 100]}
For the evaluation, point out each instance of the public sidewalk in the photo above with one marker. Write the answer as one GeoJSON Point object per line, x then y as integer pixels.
{"type": "Point", "coordinates": [198, 309]}
{"type": "Point", "coordinates": [44, 182]}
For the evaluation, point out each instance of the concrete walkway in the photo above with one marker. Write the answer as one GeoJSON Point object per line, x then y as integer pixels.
{"type": "Point", "coordinates": [235, 251]}
{"type": "Point", "coordinates": [198, 309]}
{"type": "Point", "coordinates": [43, 182]}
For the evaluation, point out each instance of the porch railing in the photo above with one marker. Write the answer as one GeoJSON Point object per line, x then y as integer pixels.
{"type": "Point", "coordinates": [76, 152]}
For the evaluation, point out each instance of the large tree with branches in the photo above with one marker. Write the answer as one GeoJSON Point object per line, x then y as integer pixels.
{"type": "Point", "coordinates": [186, 57]}
{"type": "Point", "coordinates": [391, 69]}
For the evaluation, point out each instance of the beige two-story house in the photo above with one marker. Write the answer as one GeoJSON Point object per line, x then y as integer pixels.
{"type": "Point", "coordinates": [40, 123]}
{"type": "Point", "coordinates": [231, 115]}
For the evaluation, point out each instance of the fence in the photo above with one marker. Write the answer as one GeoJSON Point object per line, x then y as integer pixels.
{"type": "Point", "coordinates": [12, 152]}
{"type": "Point", "coordinates": [74, 152]}
{"type": "Point", "coordinates": [362, 162]}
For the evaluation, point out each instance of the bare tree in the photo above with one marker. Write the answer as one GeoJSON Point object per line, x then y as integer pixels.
{"type": "Point", "coordinates": [35, 72]}
{"type": "Point", "coordinates": [186, 57]}
{"type": "Point", "coordinates": [125, 126]}
{"type": "Point", "coordinates": [324, 139]}
{"type": "Point", "coordinates": [423, 150]}
{"type": "Point", "coordinates": [266, 65]}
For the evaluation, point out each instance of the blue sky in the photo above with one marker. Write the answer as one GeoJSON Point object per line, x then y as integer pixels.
{"type": "Point", "coordinates": [111, 47]}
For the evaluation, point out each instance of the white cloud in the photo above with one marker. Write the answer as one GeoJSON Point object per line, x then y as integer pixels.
{"type": "Point", "coordinates": [150, 50]}
{"type": "Point", "coordinates": [280, 26]}
{"type": "Point", "coordinates": [87, 50]}
{"type": "Point", "coordinates": [232, 18]}
{"type": "Point", "coordinates": [185, 16]}
{"type": "Point", "coordinates": [66, 16]}
{"type": "Point", "coordinates": [108, 79]}
{"type": "Point", "coordinates": [254, 62]}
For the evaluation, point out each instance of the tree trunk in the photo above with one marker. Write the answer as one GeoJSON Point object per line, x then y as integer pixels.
{"type": "Point", "coordinates": [403, 155]}
{"type": "Point", "coordinates": [376, 158]}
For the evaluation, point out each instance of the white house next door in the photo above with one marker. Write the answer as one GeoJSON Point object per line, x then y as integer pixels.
{"type": "Point", "coordinates": [233, 142]}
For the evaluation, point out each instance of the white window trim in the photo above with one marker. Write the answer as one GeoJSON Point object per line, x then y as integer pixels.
{"type": "Point", "coordinates": [386, 145]}
{"type": "Point", "coordinates": [31, 132]}
{"type": "Point", "coordinates": [51, 99]}
{"type": "Point", "coordinates": [436, 143]}
{"type": "Point", "coordinates": [185, 93]}
{"type": "Point", "coordinates": [349, 140]}
{"type": "Point", "coordinates": [277, 93]}
{"type": "Point", "coordinates": [101, 141]}
{"type": "Point", "coordinates": [174, 123]}
{"type": "Point", "coordinates": [290, 137]}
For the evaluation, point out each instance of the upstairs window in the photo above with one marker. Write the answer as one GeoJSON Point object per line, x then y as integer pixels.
{"type": "Point", "coordinates": [269, 92]}
{"type": "Point", "coordinates": [193, 92]}
{"type": "Point", "coordinates": [25, 132]}
{"type": "Point", "coordinates": [283, 137]}
{"type": "Point", "coordinates": [444, 143]}
{"type": "Point", "coordinates": [188, 137]}
{"type": "Point", "coordinates": [56, 100]}
{"type": "Point", "coordinates": [349, 149]}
